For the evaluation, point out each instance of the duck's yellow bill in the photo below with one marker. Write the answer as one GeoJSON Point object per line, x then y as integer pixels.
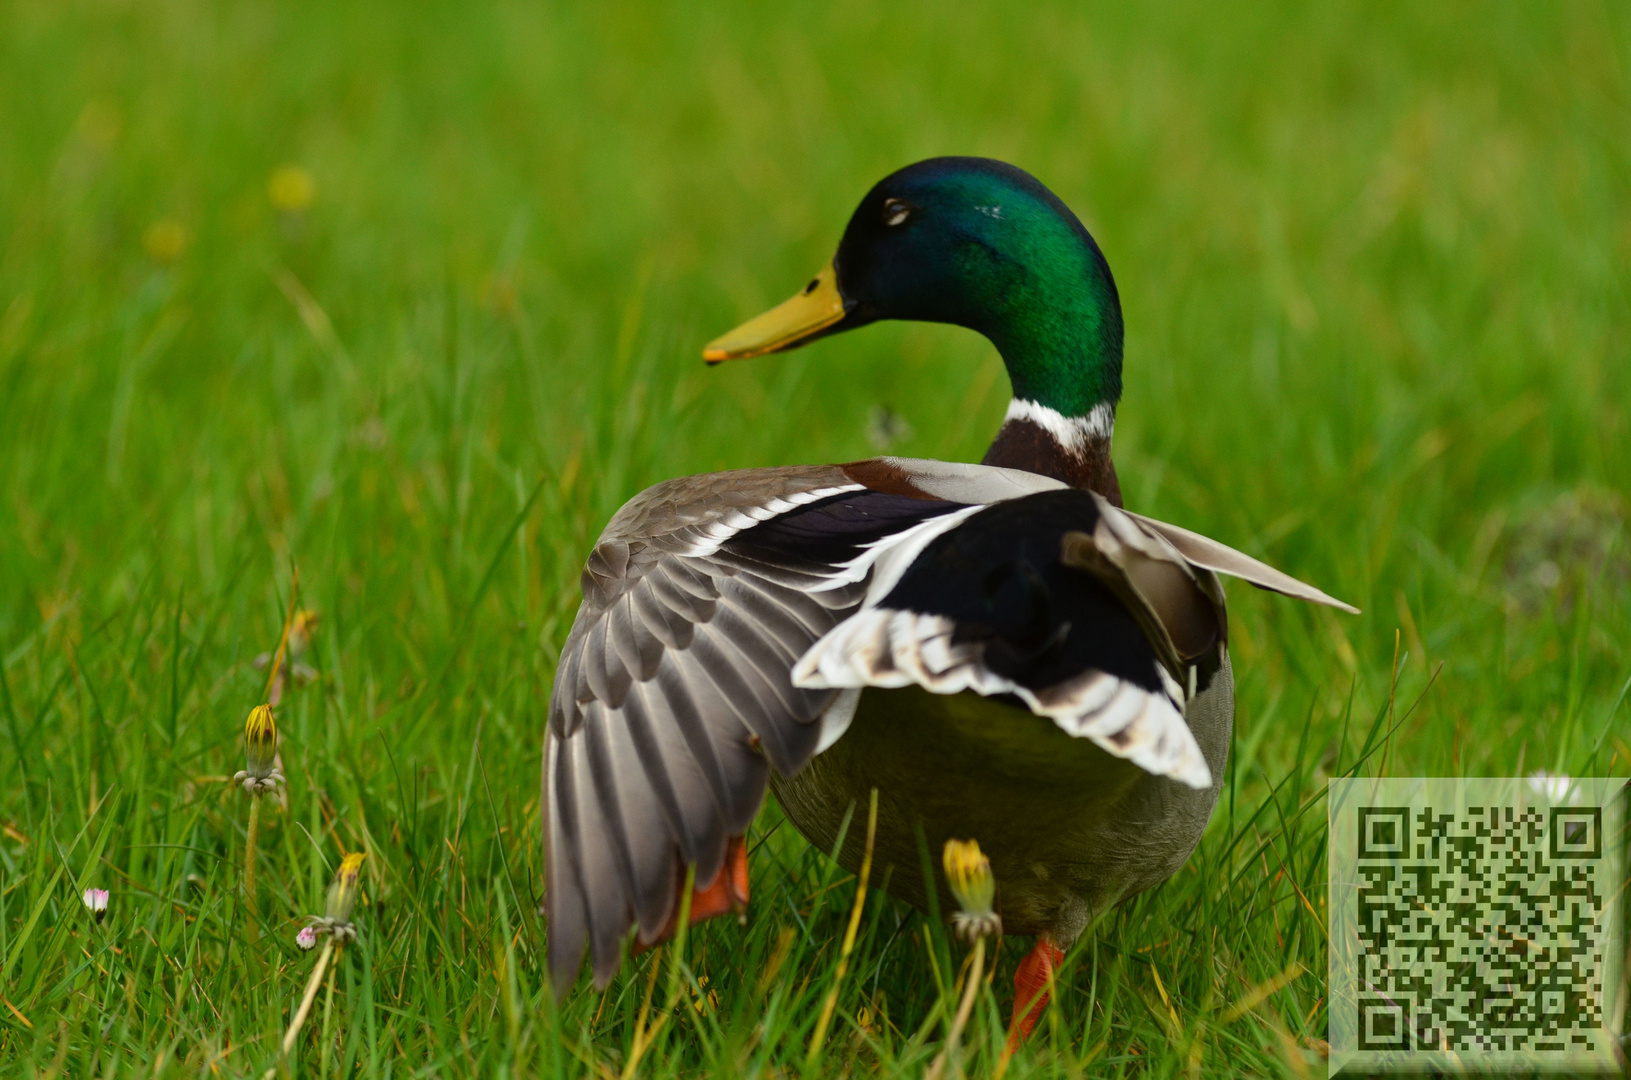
{"type": "Point", "coordinates": [815, 308]}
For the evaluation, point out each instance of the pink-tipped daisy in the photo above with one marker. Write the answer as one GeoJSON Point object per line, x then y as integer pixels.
{"type": "Point", "coordinates": [96, 902]}
{"type": "Point", "coordinates": [307, 938]}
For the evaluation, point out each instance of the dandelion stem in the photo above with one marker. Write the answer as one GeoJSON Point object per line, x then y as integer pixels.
{"type": "Point", "coordinates": [274, 689]}
{"type": "Point", "coordinates": [254, 927]}
{"type": "Point", "coordinates": [971, 989]}
{"type": "Point", "coordinates": [819, 1037]}
{"type": "Point", "coordinates": [328, 1022]}
{"type": "Point", "coordinates": [311, 995]}
{"type": "Point", "coordinates": [656, 1036]}
{"type": "Point", "coordinates": [643, 1036]}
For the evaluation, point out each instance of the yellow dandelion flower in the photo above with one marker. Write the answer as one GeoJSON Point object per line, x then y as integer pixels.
{"type": "Point", "coordinates": [260, 752]}
{"type": "Point", "coordinates": [301, 629]}
{"type": "Point", "coordinates": [165, 240]}
{"type": "Point", "coordinates": [335, 920]}
{"type": "Point", "coordinates": [99, 123]}
{"type": "Point", "coordinates": [499, 294]}
{"type": "Point", "coordinates": [291, 188]}
{"type": "Point", "coordinates": [968, 874]}
{"type": "Point", "coordinates": [342, 895]}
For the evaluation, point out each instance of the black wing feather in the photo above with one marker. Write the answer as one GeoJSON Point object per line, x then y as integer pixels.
{"type": "Point", "coordinates": [999, 577]}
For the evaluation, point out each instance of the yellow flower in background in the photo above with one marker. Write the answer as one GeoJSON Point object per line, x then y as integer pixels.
{"type": "Point", "coordinates": [260, 752]}
{"type": "Point", "coordinates": [342, 900]}
{"type": "Point", "coordinates": [165, 240]}
{"type": "Point", "coordinates": [100, 123]}
{"type": "Point", "coordinates": [301, 629]}
{"type": "Point", "coordinates": [968, 874]}
{"type": "Point", "coordinates": [498, 293]}
{"type": "Point", "coordinates": [342, 895]}
{"type": "Point", "coordinates": [291, 188]}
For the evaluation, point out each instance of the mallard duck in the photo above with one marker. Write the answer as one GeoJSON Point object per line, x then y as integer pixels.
{"type": "Point", "coordinates": [1001, 650]}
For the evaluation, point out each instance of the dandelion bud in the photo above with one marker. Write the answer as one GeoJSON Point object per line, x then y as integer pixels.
{"type": "Point", "coordinates": [96, 902]}
{"type": "Point", "coordinates": [342, 898]}
{"type": "Point", "coordinates": [260, 740]}
{"type": "Point", "coordinates": [307, 938]}
{"type": "Point", "coordinates": [968, 873]}
{"type": "Point", "coordinates": [260, 752]}
{"type": "Point", "coordinates": [342, 895]}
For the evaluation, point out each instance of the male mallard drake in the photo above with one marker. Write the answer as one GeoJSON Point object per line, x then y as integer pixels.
{"type": "Point", "coordinates": [999, 649]}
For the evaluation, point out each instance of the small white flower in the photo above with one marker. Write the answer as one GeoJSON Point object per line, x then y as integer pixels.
{"type": "Point", "coordinates": [96, 902]}
{"type": "Point", "coordinates": [1554, 787]}
{"type": "Point", "coordinates": [307, 938]}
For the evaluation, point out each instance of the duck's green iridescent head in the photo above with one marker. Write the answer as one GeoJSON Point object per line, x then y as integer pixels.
{"type": "Point", "coordinates": [976, 243]}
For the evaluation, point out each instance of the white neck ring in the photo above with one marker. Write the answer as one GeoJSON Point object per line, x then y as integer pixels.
{"type": "Point", "coordinates": [1074, 433]}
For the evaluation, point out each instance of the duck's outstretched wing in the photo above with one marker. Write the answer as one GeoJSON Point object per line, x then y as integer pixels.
{"type": "Point", "coordinates": [672, 697]}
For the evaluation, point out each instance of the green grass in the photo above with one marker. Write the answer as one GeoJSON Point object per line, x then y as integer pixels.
{"type": "Point", "coordinates": [1374, 265]}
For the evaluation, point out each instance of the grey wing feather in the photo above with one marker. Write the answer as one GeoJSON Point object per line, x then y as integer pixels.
{"type": "Point", "coordinates": [1205, 552]}
{"type": "Point", "coordinates": [672, 701]}
{"type": "Point", "coordinates": [959, 482]}
{"type": "Point", "coordinates": [668, 768]}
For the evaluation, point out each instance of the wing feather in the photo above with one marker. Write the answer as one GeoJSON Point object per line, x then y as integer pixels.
{"type": "Point", "coordinates": [605, 901]}
{"type": "Point", "coordinates": [565, 896]}
{"type": "Point", "coordinates": [758, 610]}
{"type": "Point", "coordinates": [671, 630]}
{"type": "Point", "coordinates": [603, 774]}
{"type": "Point", "coordinates": [652, 855]}
{"type": "Point", "coordinates": [673, 701]}
{"type": "Point", "coordinates": [788, 745]}
{"type": "Point", "coordinates": [636, 645]}
{"type": "Point", "coordinates": [670, 768]}
{"type": "Point", "coordinates": [697, 583]}
{"type": "Point", "coordinates": [1205, 552]}
{"type": "Point", "coordinates": [681, 710]}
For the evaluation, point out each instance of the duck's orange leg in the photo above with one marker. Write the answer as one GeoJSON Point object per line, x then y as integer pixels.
{"type": "Point", "coordinates": [727, 892]}
{"type": "Point", "coordinates": [1031, 989]}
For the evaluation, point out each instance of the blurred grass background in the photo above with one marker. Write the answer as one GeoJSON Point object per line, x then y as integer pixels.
{"type": "Point", "coordinates": [1374, 265]}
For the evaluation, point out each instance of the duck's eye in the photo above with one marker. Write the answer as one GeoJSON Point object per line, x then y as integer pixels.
{"type": "Point", "coordinates": [895, 211]}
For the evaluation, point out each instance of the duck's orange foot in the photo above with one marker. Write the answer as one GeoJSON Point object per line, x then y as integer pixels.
{"type": "Point", "coordinates": [726, 893]}
{"type": "Point", "coordinates": [1031, 990]}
